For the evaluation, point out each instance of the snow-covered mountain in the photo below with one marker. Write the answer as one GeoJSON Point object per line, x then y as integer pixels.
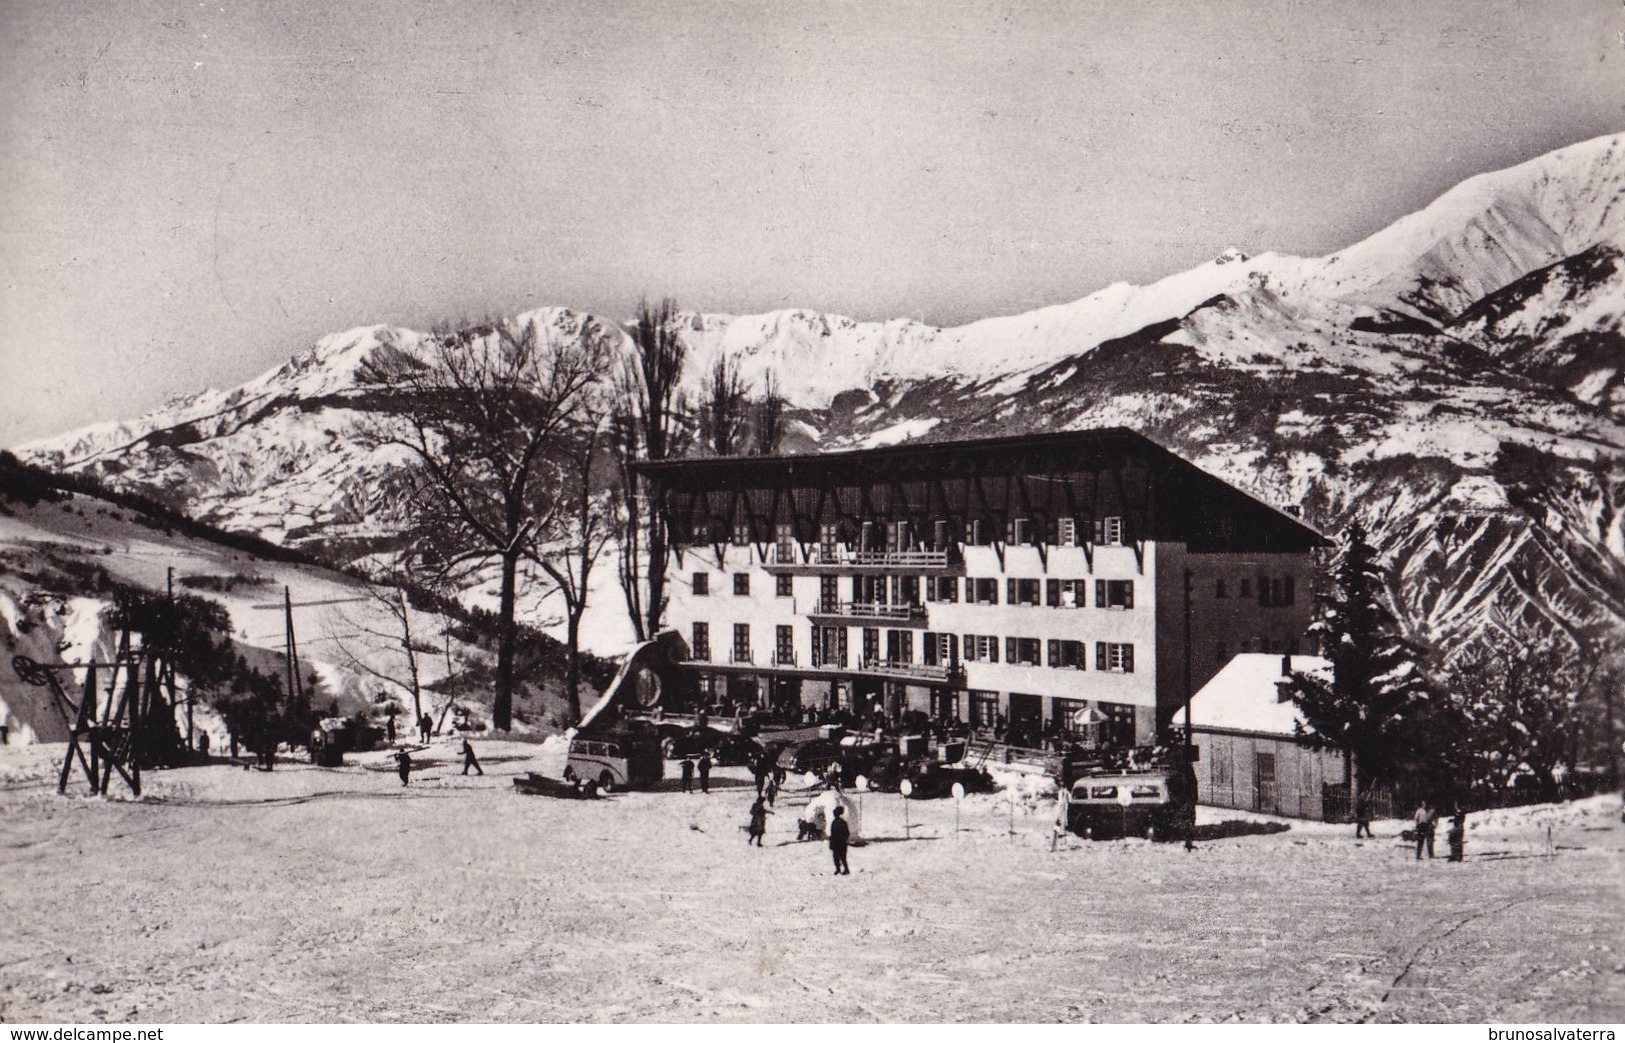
{"type": "Point", "coordinates": [1455, 380]}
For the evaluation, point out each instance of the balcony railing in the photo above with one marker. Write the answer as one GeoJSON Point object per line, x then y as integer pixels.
{"type": "Point", "coordinates": [841, 557]}
{"type": "Point", "coordinates": [923, 671]}
{"type": "Point", "coordinates": [869, 610]}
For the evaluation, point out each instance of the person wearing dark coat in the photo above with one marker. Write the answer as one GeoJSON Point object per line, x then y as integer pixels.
{"type": "Point", "coordinates": [840, 834]}
{"type": "Point", "coordinates": [389, 729]}
{"type": "Point", "coordinates": [1457, 837]}
{"type": "Point", "coordinates": [469, 760]}
{"type": "Point", "coordinates": [758, 823]}
{"type": "Point", "coordinates": [426, 727]}
{"type": "Point", "coordinates": [1425, 820]}
{"type": "Point", "coordinates": [705, 773]}
{"type": "Point", "coordinates": [688, 775]}
{"type": "Point", "coordinates": [403, 764]}
{"type": "Point", "coordinates": [1362, 818]}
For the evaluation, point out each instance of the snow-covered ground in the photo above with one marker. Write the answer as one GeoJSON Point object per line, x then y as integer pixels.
{"type": "Point", "coordinates": [321, 895]}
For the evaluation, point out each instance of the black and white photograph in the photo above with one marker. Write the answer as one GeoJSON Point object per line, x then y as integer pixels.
{"type": "Point", "coordinates": [822, 512]}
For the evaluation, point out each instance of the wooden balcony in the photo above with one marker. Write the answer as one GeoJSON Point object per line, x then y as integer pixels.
{"type": "Point", "coordinates": [826, 561]}
{"type": "Point", "coordinates": [841, 613]}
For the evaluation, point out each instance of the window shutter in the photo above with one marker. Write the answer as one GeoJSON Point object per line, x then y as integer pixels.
{"type": "Point", "coordinates": [1100, 655]}
{"type": "Point", "coordinates": [1052, 592]}
{"type": "Point", "coordinates": [1010, 650]}
{"type": "Point", "coordinates": [1128, 659]}
{"type": "Point", "coordinates": [1054, 652]}
{"type": "Point", "coordinates": [1264, 591]}
{"type": "Point", "coordinates": [992, 649]}
{"type": "Point", "coordinates": [1100, 593]}
{"type": "Point", "coordinates": [1291, 594]}
{"type": "Point", "coordinates": [1128, 594]}
{"type": "Point", "coordinates": [1009, 592]}
{"type": "Point", "coordinates": [1100, 530]}
{"type": "Point", "coordinates": [928, 654]}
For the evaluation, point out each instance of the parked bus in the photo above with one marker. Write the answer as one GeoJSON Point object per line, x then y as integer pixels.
{"type": "Point", "coordinates": [615, 760]}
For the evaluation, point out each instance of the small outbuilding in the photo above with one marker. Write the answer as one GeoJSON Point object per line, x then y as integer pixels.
{"type": "Point", "coordinates": [1252, 756]}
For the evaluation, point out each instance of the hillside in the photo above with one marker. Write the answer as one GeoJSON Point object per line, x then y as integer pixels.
{"type": "Point", "coordinates": [1454, 380]}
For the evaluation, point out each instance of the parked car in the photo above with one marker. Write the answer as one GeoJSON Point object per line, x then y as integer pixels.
{"type": "Point", "coordinates": [932, 780]}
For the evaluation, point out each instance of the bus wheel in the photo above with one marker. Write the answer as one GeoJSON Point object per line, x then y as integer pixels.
{"type": "Point", "coordinates": [569, 774]}
{"type": "Point", "coordinates": [606, 782]}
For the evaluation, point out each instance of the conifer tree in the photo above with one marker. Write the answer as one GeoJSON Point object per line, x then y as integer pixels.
{"type": "Point", "coordinates": [1372, 706]}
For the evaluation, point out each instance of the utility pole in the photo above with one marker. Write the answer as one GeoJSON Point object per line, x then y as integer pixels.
{"type": "Point", "coordinates": [1190, 749]}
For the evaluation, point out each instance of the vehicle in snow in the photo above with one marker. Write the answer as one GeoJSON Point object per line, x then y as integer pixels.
{"type": "Point", "coordinates": [930, 780]}
{"type": "Point", "coordinates": [1153, 797]}
{"type": "Point", "coordinates": [622, 759]}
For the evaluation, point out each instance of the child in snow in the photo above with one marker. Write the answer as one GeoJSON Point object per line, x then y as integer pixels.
{"type": "Point", "coordinates": [469, 760]}
{"type": "Point", "coordinates": [403, 764]}
{"type": "Point", "coordinates": [758, 823]}
{"type": "Point", "coordinates": [840, 834]}
{"type": "Point", "coordinates": [1457, 836]}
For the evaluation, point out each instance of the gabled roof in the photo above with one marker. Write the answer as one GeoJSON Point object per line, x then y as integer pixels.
{"type": "Point", "coordinates": [1244, 696]}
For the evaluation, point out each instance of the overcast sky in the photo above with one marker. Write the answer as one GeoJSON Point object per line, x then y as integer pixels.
{"type": "Point", "coordinates": [194, 191]}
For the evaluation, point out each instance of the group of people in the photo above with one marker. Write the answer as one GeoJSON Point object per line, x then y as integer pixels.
{"type": "Point", "coordinates": [404, 765]}
{"type": "Point", "coordinates": [840, 833]}
{"type": "Point", "coordinates": [704, 767]}
{"type": "Point", "coordinates": [1424, 829]}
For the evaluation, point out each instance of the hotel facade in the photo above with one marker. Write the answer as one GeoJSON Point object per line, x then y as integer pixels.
{"type": "Point", "coordinates": [1054, 581]}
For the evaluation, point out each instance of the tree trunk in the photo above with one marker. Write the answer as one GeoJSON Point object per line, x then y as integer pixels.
{"type": "Point", "coordinates": [572, 669]}
{"type": "Point", "coordinates": [657, 570]}
{"type": "Point", "coordinates": [502, 703]}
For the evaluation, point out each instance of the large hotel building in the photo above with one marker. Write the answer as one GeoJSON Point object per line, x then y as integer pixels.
{"type": "Point", "coordinates": [1029, 579]}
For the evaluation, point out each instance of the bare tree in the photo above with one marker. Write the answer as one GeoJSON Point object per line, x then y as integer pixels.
{"type": "Point", "coordinates": [587, 525]}
{"type": "Point", "coordinates": [723, 397]}
{"type": "Point", "coordinates": [767, 425]}
{"type": "Point", "coordinates": [487, 410]}
{"type": "Point", "coordinates": [389, 603]}
{"type": "Point", "coordinates": [646, 426]}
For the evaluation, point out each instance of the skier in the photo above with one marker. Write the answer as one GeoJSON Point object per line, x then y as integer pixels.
{"type": "Point", "coordinates": [688, 775]}
{"type": "Point", "coordinates": [705, 772]}
{"type": "Point", "coordinates": [469, 760]}
{"type": "Point", "coordinates": [1457, 837]}
{"type": "Point", "coordinates": [1362, 818]}
{"type": "Point", "coordinates": [403, 764]}
{"type": "Point", "coordinates": [840, 834]}
{"type": "Point", "coordinates": [758, 823]}
{"type": "Point", "coordinates": [1425, 817]}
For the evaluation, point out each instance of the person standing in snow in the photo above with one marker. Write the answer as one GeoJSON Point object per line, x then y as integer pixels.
{"type": "Point", "coordinates": [426, 728]}
{"type": "Point", "coordinates": [772, 791]}
{"type": "Point", "coordinates": [1425, 818]}
{"type": "Point", "coordinates": [758, 823]}
{"type": "Point", "coordinates": [1362, 818]}
{"type": "Point", "coordinates": [1457, 837]}
{"type": "Point", "coordinates": [688, 775]}
{"type": "Point", "coordinates": [840, 834]}
{"type": "Point", "coordinates": [389, 728]}
{"type": "Point", "coordinates": [403, 764]}
{"type": "Point", "coordinates": [705, 772]}
{"type": "Point", "coordinates": [469, 760]}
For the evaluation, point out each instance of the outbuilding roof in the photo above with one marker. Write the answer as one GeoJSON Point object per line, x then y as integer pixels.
{"type": "Point", "coordinates": [1245, 695]}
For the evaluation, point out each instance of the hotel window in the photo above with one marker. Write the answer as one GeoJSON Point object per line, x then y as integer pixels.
{"type": "Point", "coordinates": [741, 583]}
{"type": "Point", "coordinates": [829, 594]}
{"type": "Point", "coordinates": [981, 591]}
{"type": "Point", "coordinates": [1021, 531]}
{"type": "Point", "coordinates": [1244, 589]}
{"type": "Point", "coordinates": [701, 584]}
{"type": "Point", "coordinates": [981, 648]}
{"type": "Point", "coordinates": [1114, 593]}
{"type": "Point", "coordinates": [984, 709]}
{"type": "Point", "coordinates": [945, 706]}
{"type": "Point", "coordinates": [784, 646]}
{"type": "Point", "coordinates": [701, 645]}
{"type": "Point", "coordinates": [900, 646]}
{"type": "Point", "coordinates": [1277, 593]}
{"type": "Point", "coordinates": [742, 643]}
{"type": "Point", "coordinates": [784, 545]}
{"type": "Point", "coordinates": [1109, 531]}
{"type": "Point", "coordinates": [741, 536]}
{"type": "Point", "coordinates": [1067, 655]}
{"type": "Point", "coordinates": [1022, 650]}
{"type": "Point", "coordinates": [829, 539]}
{"type": "Point", "coordinates": [1113, 658]}
{"type": "Point", "coordinates": [942, 588]}
{"type": "Point", "coordinates": [1218, 588]}
{"type": "Point", "coordinates": [784, 586]}
{"type": "Point", "coordinates": [1022, 591]}
{"type": "Point", "coordinates": [1066, 532]}
{"type": "Point", "coordinates": [938, 649]}
{"type": "Point", "coordinates": [871, 643]}
{"type": "Point", "coordinates": [1065, 593]}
